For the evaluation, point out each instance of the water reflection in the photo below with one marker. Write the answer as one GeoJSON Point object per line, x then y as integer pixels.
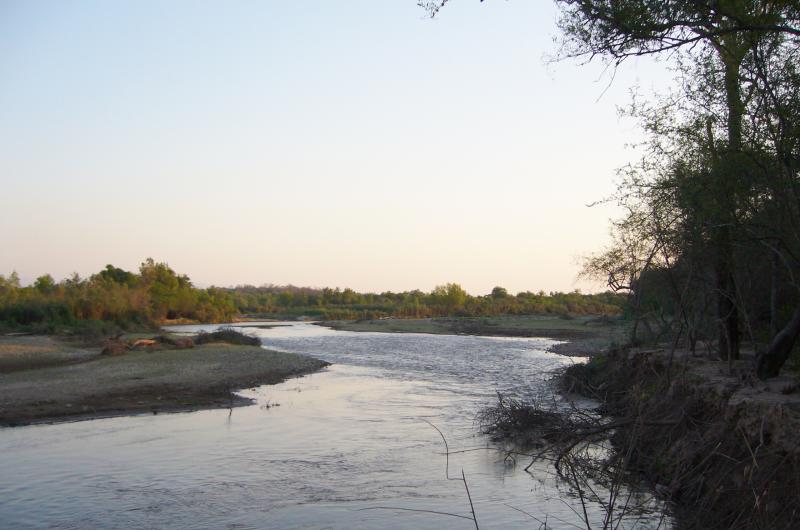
{"type": "Point", "coordinates": [344, 448]}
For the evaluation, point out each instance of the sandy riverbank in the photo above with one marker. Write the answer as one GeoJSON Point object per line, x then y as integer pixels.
{"type": "Point", "coordinates": [43, 379]}
{"type": "Point", "coordinates": [583, 336]}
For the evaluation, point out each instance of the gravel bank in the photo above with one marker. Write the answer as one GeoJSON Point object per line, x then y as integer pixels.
{"type": "Point", "coordinates": [144, 382]}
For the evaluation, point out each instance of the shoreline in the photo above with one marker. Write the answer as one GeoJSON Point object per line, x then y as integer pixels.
{"type": "Point", "coordinates": [143, 382]}
{"type": "Point", "coordinates": [582, 336]}
{"type": "Point", "coordinates": [45, 379]}
{"type": "Point", "coordinates": [684, 418]}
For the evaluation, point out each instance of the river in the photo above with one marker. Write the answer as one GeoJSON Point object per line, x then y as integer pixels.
{"type": "Point", "coordinates": [348, 447]}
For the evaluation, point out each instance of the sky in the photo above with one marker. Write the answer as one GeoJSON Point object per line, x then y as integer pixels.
{"type": "Point", "coordinates": [353, 143]}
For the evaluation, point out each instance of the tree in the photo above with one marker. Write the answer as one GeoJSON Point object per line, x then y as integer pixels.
{"type": "Point", "coordinates": [499, 293]}
{"type": "Point", "coordinates": [724, 192]}
{"type": "Point", "coordinates": [451, 297]}
{"type": "Point", "coordinates": [45, 284]}
{"type": "Point", "coordinates": [728, 29]}
{"type": "Point", "coordinates": [740, 58]}
{"type": "Point", "coordinates": [775, 124]}
{"type": "Point", "coordinates": [120, 276]}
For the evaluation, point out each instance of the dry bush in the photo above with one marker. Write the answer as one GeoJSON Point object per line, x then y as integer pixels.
{"type": "Point", "coordinates": [229, 336]}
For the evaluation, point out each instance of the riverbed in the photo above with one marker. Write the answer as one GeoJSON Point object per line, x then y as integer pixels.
{"type": "Point", "coordinates": [349, 447]}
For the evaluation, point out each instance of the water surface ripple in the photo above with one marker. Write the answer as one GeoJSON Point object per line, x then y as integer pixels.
{"type": "Point", "coordinates": [343, 448]}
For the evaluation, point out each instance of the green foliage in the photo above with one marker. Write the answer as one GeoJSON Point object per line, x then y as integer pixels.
{"type": "Point", "coordinates": [45, 284]}
{"type": "Point", "coordinates": [115, 299]}
{"type": "Point", "coordinates": [709, 245]}
{"type": "Point", "coordinates": [445, 300]}
{"type": "Point", "coordinates": [499, 292]}
{"type": "Point", "coordinates": [117, 275]}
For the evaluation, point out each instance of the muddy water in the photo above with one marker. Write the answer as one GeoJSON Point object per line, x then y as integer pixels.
{"type": "Point", "coordinates": [344, 448]}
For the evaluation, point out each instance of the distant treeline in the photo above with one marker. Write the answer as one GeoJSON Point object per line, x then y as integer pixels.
{"type": "Point", "coordinates": [445, 300]}
{"type": "Point", "coordinates": [157, 294]}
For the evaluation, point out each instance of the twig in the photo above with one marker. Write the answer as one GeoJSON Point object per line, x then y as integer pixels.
{"type": "Point", "coordinates": [580, 494]}
{"type": "Point", "coordinates": [471, 507]}
{"type": "Point", "coordinates": [530, 515]}
{"type": "Point", "coordinates": [447, 451]}
{"type": "Point", "coordinates": [414, 510]}
{"type": "Point", "coordinates": [447, 472]}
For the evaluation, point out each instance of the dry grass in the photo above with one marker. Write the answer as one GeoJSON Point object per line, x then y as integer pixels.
{"type": "Point", "coordinates": [584, 327]}
{"type": "Point", "coordinates": [26, 352]}
{"type": "Point", "coordinates": [25, 349]}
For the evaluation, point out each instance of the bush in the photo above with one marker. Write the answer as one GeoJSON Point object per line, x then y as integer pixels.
{"type": "Point", "coordinates": [516, 419]}
{"type": "Point", "coordinates": [180, 343]}
{"type": "Point", "coordinates": [586, 379]}
{"type": "Point", "coordinates": [228, 335]}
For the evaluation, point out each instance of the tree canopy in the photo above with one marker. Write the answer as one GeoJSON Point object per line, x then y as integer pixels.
{"type": "Point", "coordinates": [710, 199]}
{"type": "Point", "coordinates": [158, 294]}
{"type": "Point", "coordinates": [710, 239]}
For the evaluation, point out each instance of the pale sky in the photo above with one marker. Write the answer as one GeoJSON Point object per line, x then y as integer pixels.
{"type": "Point", "coordinates": [350, 143]}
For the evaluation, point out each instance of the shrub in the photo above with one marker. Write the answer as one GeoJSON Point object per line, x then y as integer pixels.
{"type": "Point", "coordinates": [228, 335]}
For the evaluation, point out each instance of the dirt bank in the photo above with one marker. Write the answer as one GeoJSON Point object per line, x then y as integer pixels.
{"type": "Point", "coordinates": [718, 443]}
{"type": "Point", "coordinates": [48, 380]}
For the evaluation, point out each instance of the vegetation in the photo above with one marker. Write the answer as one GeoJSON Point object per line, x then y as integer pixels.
{"type": "Point", "coordinates": [708, 251]}
{"type": "Point", "coordinates": [710, 243]}
{"type": "Point", "coordinates": [710, 239]}
{"type": "Point", "coordinates": [709, 248]}
{"type": "Point", "coordinates": [446, 300]}
{"type": "Point", "coordinates": [726, 456]}
{"type": "Point", "coordinates": [110, 300]}
{"type": "Point", "coordinates": [229, 336]}
{"type": "Point", "coordinates": [114, 299]}
{"type": "Point", "coordinates": [593, 333]}
{"type": "Point", "coordinates": [724, 453]}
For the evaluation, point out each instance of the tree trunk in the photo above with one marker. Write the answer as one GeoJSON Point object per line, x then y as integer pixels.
{"type": "Point", "coordinates": [727, 312]}
{"type": "Point", "coordinates": [769, 363]}
{"type": "Point", "coordinates": [773, 295]}
{"type": "Point", "coordinates": [731, 54]}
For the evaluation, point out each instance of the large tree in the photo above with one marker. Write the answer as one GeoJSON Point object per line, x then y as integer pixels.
{"type": "Point", "coordinates": [731, 30]}
{"type": "Point", "coordinates": [733, 184]}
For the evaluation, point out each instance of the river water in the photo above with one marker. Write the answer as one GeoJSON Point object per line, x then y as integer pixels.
{"type": "Point", "coordinates": [348, 447]}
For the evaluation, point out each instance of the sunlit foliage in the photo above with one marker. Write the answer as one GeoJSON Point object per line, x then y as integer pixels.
{"type": "Point", "coordinates": [157, 294]}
